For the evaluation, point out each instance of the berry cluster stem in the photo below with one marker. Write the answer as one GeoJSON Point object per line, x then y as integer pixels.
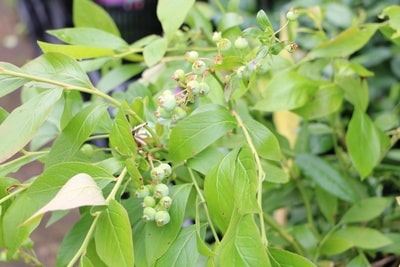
{"type": "Point", "coordinates": [260, 175]}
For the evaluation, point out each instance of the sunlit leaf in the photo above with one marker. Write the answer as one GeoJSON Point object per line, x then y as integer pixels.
{"type": "Point", "coordinates": [117, 76]}
{"type": "Point", "coordinates": [154, 51]}
{"type": "Point", "coordinates": [9, 83]}
{"type": "Point", "coordinates": [365, 210]}
{"type": "Point", "coordinates": [121, 137]}
{"type": "Point", "coordinates": [75, 51]}
{"type": "Point", "coordinates": [280, 257]}
{"type": "Point", "coordinates": [167, 13]}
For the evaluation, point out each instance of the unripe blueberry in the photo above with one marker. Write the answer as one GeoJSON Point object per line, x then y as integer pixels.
{"type": "Point", "coordinates": [162, 113]}
{"type": "Point", "coordinates": [87, 149]}
{"type": "Point", "coordinates": [216, 36]}
{"type": "Point", "coordinates": [161, 190]}
{"type": "Point", "coordinates": [179, 75]}
{"type": "Point", "coordinates": [199, 67]}
{"type": "Point", "coordinates": [162, 217]}
{"type": "Point", "coordinates": [224, 44]}
{"type": "Point", "coordinates": [193, 86]}
{"type": "Point", "coordinates": [191, 56]}
{"type": "Point", "coordinates": [241, 43]}
{"type": "Point", "coordinates": [240, 72]}
{"type": "Point", "coordinates": [166, 168]}
{"type": "Point", "coordinates": [167, 101]}
{"type": "Point", "coordinates": [157, 174]}
{"type": "Point", "coordinates": [178, 113]}
{"type": "Point", "coordinates": [148, 201]}
{"type": "Point", "coordinates": [142, 192]}
{"type": "Point", "coordinates": [291, 47]}
{"type": "Point", "coordinates": [149, 214]}
{"type": "Point", "coordinates": [166, 201]}
{"type": "Point", "coordinates": [292, 15]}
{"type": "Point", "coordinates": [204, 88]}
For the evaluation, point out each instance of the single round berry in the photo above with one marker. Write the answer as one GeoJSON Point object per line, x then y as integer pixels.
{"type": "Point", "coordinates": [291, 47]}
{"type": "Point", "coordinates": [292, 15]}
{"type": "Point", "coordinates": [224, 44]}
{"type": "Point", "coordinates": [142, 192]}
{"type": "Point", "coordinates": [148, 201]}
{"type": "Point", "coordinates": [166, 168]}
{"type": "Point", "coordinates": [241, 43]}
{"type": "Point", "coordinates": [166, 201]}
{"type": "Point", "coordinates": [199, 67]}
{"type": "Point", "coordinates": [191, 56]}
{"type": "Point", "coordinates": [167, 101]}
{"type": "Point", "coordinates": [149, 214]}
{"type": "Point", "coordinates": [162, 218]}
{"type": "Point", "coordinates": [162, 113]}
{"type": "Point", "coordinates": [87, 149]}
{"type": "Point", "coordinates": [216, 36]}
{"type": "Point", "coordinates": [161, 190]}
{"type": "Point", "coordinates": [204, 88]}
{"type": "Point", "coordinates": [193, 86]}
{"type": "Point", "coordinates": [179, 75]}
{"type": "Point", "coordinates": [157, 174]}
{"type": "Point", "coordinates": [178, 113]}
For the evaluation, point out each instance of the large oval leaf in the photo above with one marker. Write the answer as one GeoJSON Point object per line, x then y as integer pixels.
{"type": "Point", "coordinates": [9, 83]}
{"type": "Point", "coordinates": [198, 131]}
{"type": "Point", "coordinates": [167, 13]}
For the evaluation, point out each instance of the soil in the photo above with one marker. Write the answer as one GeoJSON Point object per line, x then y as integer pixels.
{"type": "Point", "coordinates": [16, 48]}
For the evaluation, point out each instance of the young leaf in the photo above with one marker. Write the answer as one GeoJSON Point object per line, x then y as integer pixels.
{"type": "Point", "coordinates": [121, 137]}
{"type": "Point", "coordinates": [328, 204]}
{"type": "Point", "coordinates": [286, 90]}
{"type": "Point", "coordinates": [98, 17]}
{"type": "Point", "coordinates": [242, 245]}
{"type": "Point", "coordinates": [75, 51]}
{"type": "Point", "coordinates": [113, 236]}
{"type": "Point", "coordinates": [183, 252]}
{"type": "Point", "coordinates": [77, 130]}
{"type": "Point", "coordinates": [30, 116]}
{"type": "Point", "coordinates": [78, 191]}
{"type": "Point", "coordinates": [154, 51]}
{"type": "Point", "coordinates": [60, 68]}
{"type": "Point", "coordinates": [346, 43]}
{"type": "Point", "coordinates": [264, 22]}
{"type": "Point", "coordinates": [327, 177]}
{"type": "Point", "coordinates": [365, 143]}
{"type": "Point", "coordinates": [9, 83]}
{"type": "Point", "coordinates": [365, 210]}
{"type": "Point", "coordinates": [280, 257]}
{"type": "Point", "coordinates": [117, 76]}
{"type": "Point", "coordinates": [16, 164]}
{"type": "Point", "coordinates": [167, 13]}
{"type": "Point", "coordinates": [198, 131]}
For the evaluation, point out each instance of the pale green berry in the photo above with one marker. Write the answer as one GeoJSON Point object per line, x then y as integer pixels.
{"type": "Point", "coordinates": [87, 149]}
{"type": "Point", "coordinates": [149, 214]}
{"type": "Point", "coordinates": [142, 192]}
{"type": "Point", "coordinates": [162, 217]}
{"type": "Point", "coordinates": [292, 15]}
{"type": "Point", "coordinates": [191, 56]}
{"type": "Point", "coordinates": [204, 88]}
{"type": "Point", "coordinates": [157, 174]}
{"type": "Point", "coordinates": [179, 75]}
{"type": "Point", "coordinates": [240, 72]}
{"type": "Point", "coordinates": [241, 43]}
{"type": "Point", "coordinates": [193, 86]}
{"type": "Point", "coordinates": [162, 113]}
{"type": "Point", "coordinates": [216, 36]}
{"type": "Point", "coordinates": [148, 201]}
{"type": "Point", "coordinates": [166, 168]}
{"type": "Point", "coordinates": [224, 44]}
{"type": "Point", "coordinates": [199, 67]}
{"type": "Point", "coordinates": [161, 190]}
{"type": "Point", "coordinates": [291, 47]}
{"type": "Point", "coordinates": [178, 113]}
{"type": "Point", "coordinates": [167, 101]}
{"type": "Point", "coordinates": [166, 201]}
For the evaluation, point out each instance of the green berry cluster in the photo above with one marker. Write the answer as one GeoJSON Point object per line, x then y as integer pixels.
{"type": "Point", "coordinates": [156, 199]}
{"type": "Point", "coordinates": [169, 108]}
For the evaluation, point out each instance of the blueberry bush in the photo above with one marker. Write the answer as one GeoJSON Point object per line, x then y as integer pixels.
{"type": "Point", "coordinates": [241, 138]}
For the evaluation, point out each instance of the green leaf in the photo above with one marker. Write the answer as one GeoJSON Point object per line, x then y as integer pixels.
{"type": "Point", "coordinates": [280, 257]}
{"type": "Point", "coordinates": [365, 143]}
{"type": "Point", "coordinates": [327, 177]}
{"type": "Point", "coordinates": [328, 204]}
{"type": "Point", "coordinates": [242, 245]}
{"type": "Point", "coordinates": [73, 240]}
{"type": "Point", "coordinates": [75, 134]}
{"type": "Point", "coordinates": [361, 237]}
{"type": "Point", "coordinates": [60, 68]}
{"type": "Point", "coordinates": [264, 22]}
{"type": "Point", "coordinates": [394, 247]}
{"type": "Point", "coordinates": [198, 131]}
{"type": "Point", "coordinates": [90, 37]}
{"type": "Point", "coordinates": [78, 191]}
{"type": "Point", "coordinates": [41, 191]}
{"type": "Point", "coordinates": [170, 19]}
{"type": "Point", "coordinates": [16, 164]}
{"type": "Point", "coordinates": [229, 20]}
{"type": "Point", "coordinates": [201, 162]}
{"type": "Point", "coordinates": [98, 17]}
{"type": "Point", "coordinates": [365, 210]}
{"type": "Point", "coordinates": [85, 262]}
{"type": "Point", "coordinates": [328, 99]}
{"type": "Point", "coordinates": [274, 173]}
{"type": "Point", "coordinates": [355, 90]}
{"type": "Point", "coordinates": [31, 115]}
{"type": "Point", "coordinates": [113, 227]}
{"type": "Point", "coordinates": [121, 136]}
{"type": "Point", "coordinates": [154, 51]}
{"type": "Point", "coordinates": [286, 90]}
{"type": "Point", "coordinates": [394, 19]}
{"type": "Point", "coordinates": [237, 171]}
{"type": "Point", "coordinates": [118, 75]}
{"type": "Point", "coordinates": [264, 140]}
{"type": "Point", "coordinates": [159, 239]}
{"type": "Point", "coordinates": [346, 43]}
{"type": "Point", "coordinates": [75, 51]}
{"type": "Point", "coordinates": [9, 83]}
{"type": "Point", "coordinates": [183, 251]}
